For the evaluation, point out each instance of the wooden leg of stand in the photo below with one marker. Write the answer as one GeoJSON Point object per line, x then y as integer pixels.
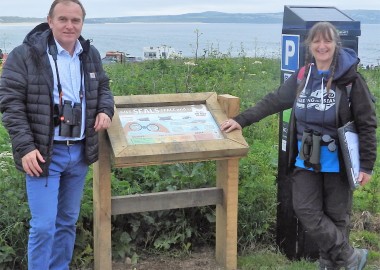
{"type": "Point", "coordinates": [226, 214]}
{"type": "Point", "coordinates": [102, 206]}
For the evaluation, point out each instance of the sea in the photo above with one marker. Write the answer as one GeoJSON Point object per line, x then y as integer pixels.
{"type": "Point", "coordinates": [190, 39]}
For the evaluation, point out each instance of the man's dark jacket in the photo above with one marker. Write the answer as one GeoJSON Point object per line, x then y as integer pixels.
{"type": "Point", "coordinates": [26, 97]}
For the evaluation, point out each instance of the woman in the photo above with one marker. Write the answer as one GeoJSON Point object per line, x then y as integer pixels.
{"type": "Point", "coordinates": [320, 102]}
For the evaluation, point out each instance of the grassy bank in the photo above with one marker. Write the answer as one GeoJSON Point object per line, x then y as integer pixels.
{"type": "Point", "coordinates": [181, 231]}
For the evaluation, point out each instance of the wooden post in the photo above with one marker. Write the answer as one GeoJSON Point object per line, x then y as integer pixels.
{"type": "Point", "coordinates": [102, 206]}
{"type": "Point", "coordinates": [230, 104]}
{"type": "Point", "coordinates": [226, 213]}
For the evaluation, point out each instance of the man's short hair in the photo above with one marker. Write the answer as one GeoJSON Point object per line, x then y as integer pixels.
{"type": "Point", "coordinates": [55, 2]}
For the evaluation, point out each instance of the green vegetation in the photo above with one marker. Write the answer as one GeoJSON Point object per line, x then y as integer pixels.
{"type": "Point", "coordinates": [181, 231]}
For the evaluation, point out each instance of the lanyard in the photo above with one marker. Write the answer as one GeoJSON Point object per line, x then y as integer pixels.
{"type": "Point", "coordinates": [53, 51]}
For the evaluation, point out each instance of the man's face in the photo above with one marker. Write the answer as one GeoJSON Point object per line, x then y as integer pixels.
{"type": "Point", "coordinates": [66, 24]}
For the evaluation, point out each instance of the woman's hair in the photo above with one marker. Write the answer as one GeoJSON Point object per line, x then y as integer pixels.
{"type": "Point", "coordinates": [328, 32]}
{"type": "Point", "coordinates": [56, 2]}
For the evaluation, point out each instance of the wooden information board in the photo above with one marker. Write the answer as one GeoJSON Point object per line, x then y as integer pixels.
{"type": "Point", "coordinates": [166, 129]}
{"type": "Point", "coordinates": [168, 124]}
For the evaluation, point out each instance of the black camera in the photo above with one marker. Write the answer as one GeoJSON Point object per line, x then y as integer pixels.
{"type": "Point", "coordinates": [70, 120]}
{"type": "Point", "coordinates": [315, 155]}
{"type": "Point", "coordinates": [310, 150]}
{"type": "Point", "coordinates": [306, 144]}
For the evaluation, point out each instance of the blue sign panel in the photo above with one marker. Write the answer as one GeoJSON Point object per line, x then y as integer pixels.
{"type": "Point", "coordinates": [290, 52]}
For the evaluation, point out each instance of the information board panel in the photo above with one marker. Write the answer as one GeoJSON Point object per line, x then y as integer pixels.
{"type": "Point", "coordinates": [169, 128]}
{"type": "Point", "coordinates": [148, 125]}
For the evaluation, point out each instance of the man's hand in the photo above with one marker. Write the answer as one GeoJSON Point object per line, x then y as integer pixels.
{"type": "Point", "coordinates": [102, 121]}
{"type": "Point", "coordinates": [30, 163]}
{"type": "Point", "coordinates": [364, 178]}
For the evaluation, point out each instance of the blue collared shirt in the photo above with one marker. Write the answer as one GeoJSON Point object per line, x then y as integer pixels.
{"type": "Point", "coordinates": [69, 69]}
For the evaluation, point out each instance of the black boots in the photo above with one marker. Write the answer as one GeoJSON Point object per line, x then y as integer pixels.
{"type": "Point", "coordinates": [358, 260]}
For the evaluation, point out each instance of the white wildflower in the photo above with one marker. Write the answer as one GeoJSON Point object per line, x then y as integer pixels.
{"type": "Point", "coordinates": [190, 63]}
{"type": "Point", "coordinates": [6, 154]}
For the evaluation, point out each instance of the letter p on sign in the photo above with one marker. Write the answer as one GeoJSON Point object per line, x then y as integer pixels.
{"type": "Point", "coordinates": [290, 52]}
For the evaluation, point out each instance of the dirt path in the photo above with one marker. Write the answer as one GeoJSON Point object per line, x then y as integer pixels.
{"type": "Point", "coordinates": [199, 260]}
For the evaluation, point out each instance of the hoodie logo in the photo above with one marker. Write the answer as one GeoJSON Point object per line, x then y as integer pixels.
{"type": "Point", "coordinates": [314, 100]}
{"type": "Point", "coordinates": [92, 75]}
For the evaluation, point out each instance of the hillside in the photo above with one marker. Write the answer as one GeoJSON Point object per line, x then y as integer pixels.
{"type": "Point", "coordinates": [364, 16]}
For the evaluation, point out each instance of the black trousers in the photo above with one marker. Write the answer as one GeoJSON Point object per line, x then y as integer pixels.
{"type": "Point", "coordinates": [323, 204]}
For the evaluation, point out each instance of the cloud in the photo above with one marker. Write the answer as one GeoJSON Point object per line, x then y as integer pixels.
{"type": "Point", "coordinates": [119, 8]}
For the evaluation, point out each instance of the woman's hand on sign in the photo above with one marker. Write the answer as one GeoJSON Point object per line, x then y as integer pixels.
{"type": "Point", "coordinates": [230, 125]}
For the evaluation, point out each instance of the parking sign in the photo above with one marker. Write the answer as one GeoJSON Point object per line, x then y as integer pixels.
{"type": "Point", "coordinates": [290, 52]}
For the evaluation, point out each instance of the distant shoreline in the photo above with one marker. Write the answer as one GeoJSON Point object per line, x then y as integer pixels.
{"type": "Point", "coordinates": [149, 23]}
{"type": "Point", "coordinates": [20, 24]}
{"type": "Point", "coordinates": [119, 23]}
{"type": "Point", "coordinates": [363, 16]}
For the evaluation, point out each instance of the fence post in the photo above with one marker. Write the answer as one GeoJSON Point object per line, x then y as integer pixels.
{"type": "Point", "coordinates": [102, 206]}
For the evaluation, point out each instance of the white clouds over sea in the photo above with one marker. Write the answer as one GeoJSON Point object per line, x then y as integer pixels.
{"type": "Point", "coordinates": [119, 8]}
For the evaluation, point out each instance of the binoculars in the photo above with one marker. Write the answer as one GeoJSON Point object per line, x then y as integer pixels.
{"type": "Point", "coordinates": [310, 150]}
{"type": "Point", "coordinates": [69, 119]}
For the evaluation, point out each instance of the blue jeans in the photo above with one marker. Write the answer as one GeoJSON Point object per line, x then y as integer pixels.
{"type": "Point", "coordinates": [54, 203]}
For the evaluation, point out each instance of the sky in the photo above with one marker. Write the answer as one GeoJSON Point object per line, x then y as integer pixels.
{"type": "Point", "coordinates": [120, 8]}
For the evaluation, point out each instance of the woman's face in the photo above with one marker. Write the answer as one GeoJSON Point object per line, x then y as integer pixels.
{"type": "Point", "coordinates": [323, 50]}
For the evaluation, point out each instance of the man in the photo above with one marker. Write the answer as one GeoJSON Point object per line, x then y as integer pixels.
{"type": "Point", "coordinates": [55, 97]}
